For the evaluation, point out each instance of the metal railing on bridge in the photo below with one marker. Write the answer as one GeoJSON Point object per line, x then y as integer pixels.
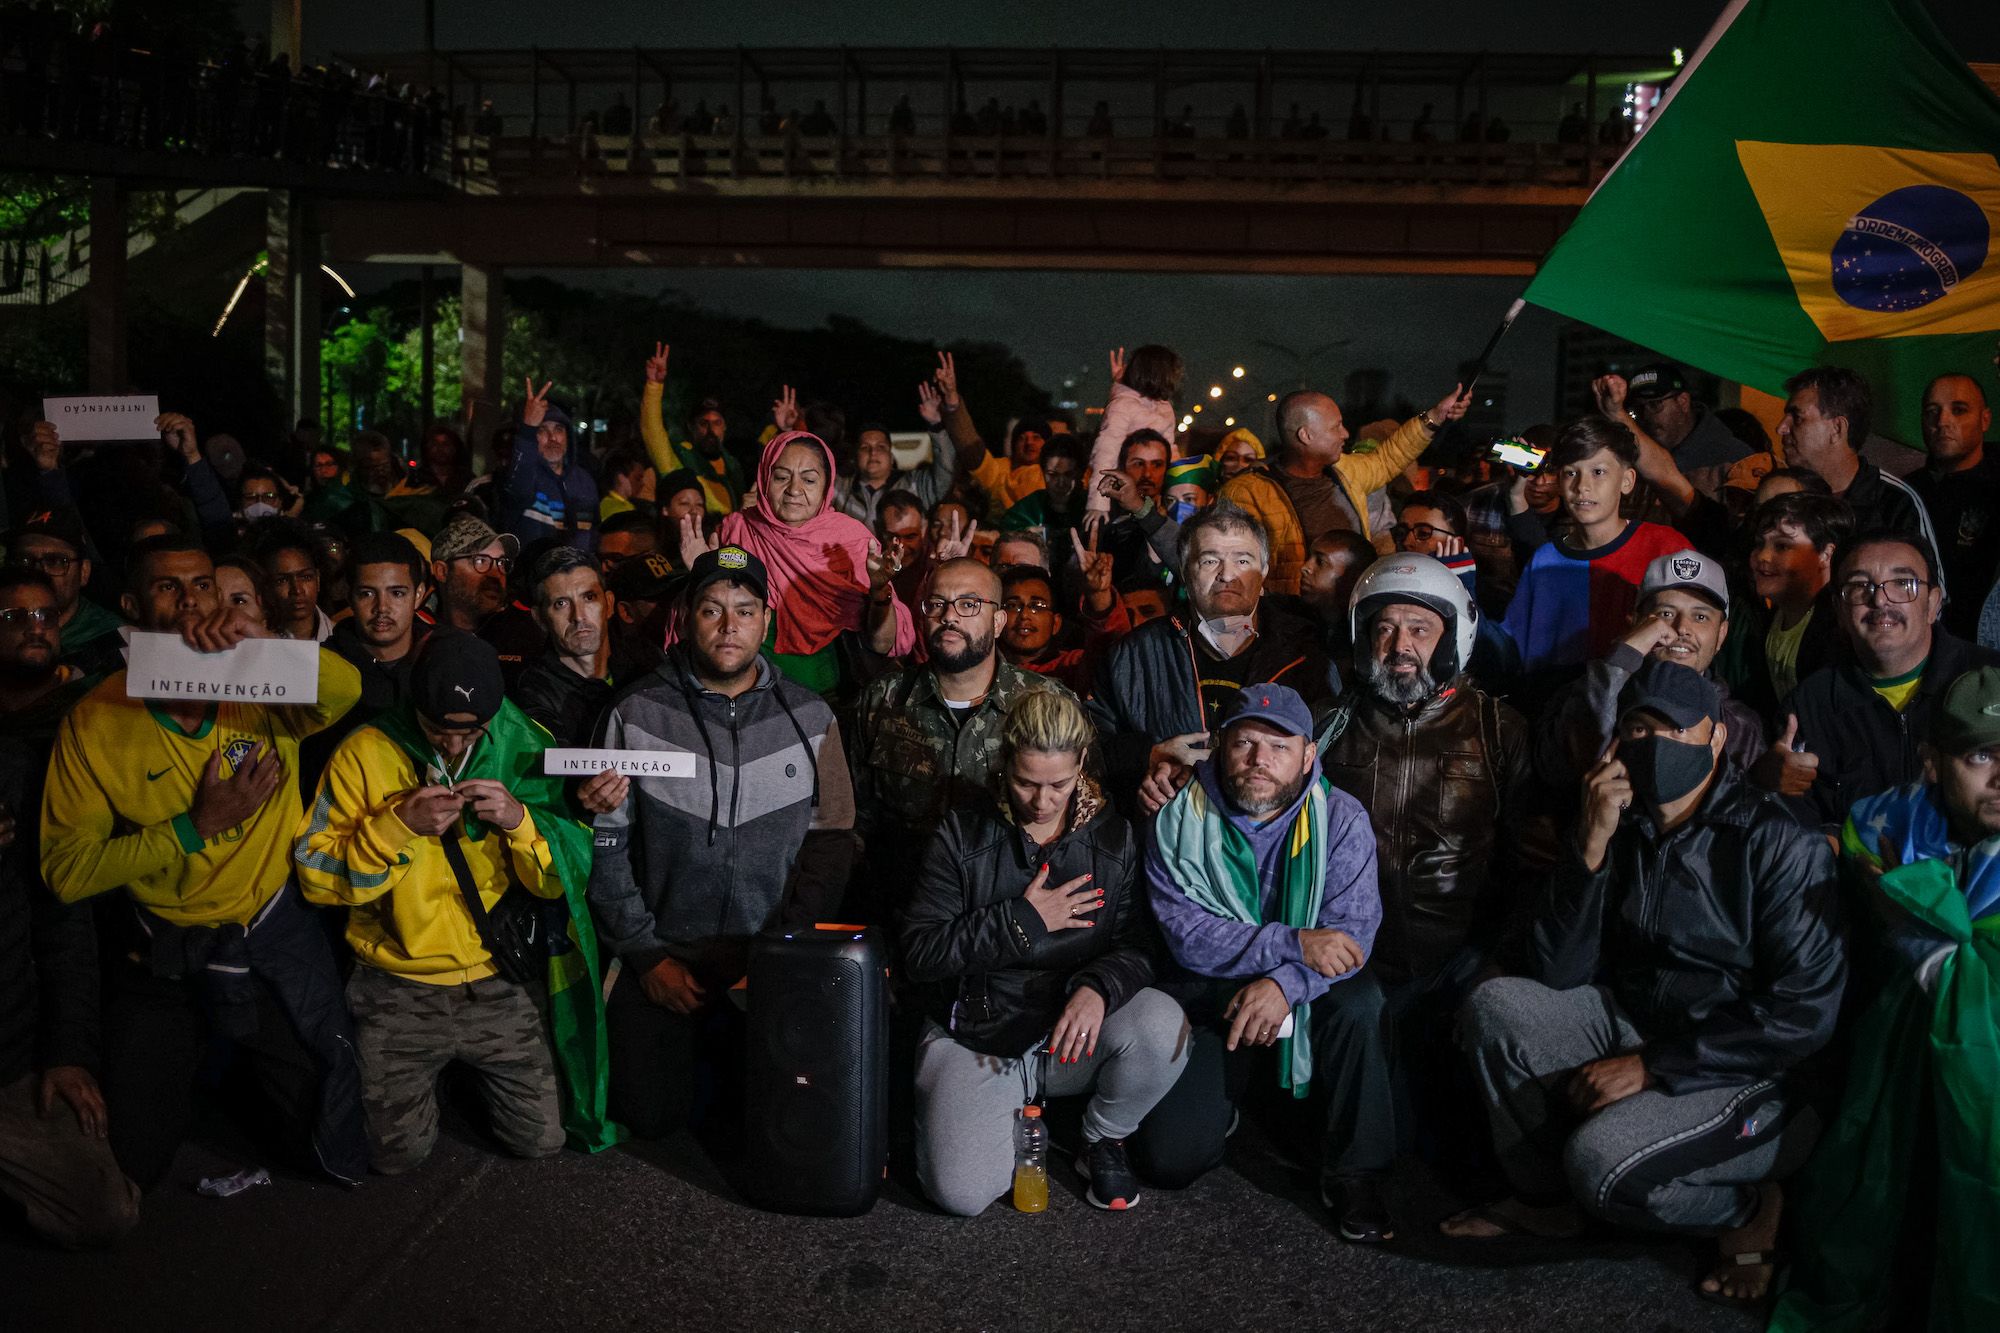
{"type": "Point", "coordinates": [508, 162]}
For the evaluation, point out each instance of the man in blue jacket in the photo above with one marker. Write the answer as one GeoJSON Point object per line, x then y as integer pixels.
{"type": "Point", "coordinates": [1262, 877]}
{"type": "Point", "coordinates": [549, 495]}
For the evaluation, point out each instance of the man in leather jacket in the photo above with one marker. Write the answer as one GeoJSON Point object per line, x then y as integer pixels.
{"type": "Point", "coordinates": [1442, 769]}
{"type": "Point", "coordinates": [1683, 965]}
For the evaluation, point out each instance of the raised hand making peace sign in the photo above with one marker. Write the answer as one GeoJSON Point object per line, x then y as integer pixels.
{"type": "Point", "coordinates": [536, 405]}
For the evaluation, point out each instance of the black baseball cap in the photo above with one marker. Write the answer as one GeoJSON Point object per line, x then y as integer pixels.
{"type": "Point", "coordinates": [63, 523]}
{"type": "Point", "coordinates": [1278, 705]}
{"type": "Point", "coordinates": [728, 564]}
{"type": "Point", "coordinates": [645, 578]}
{"type": "Point", "coordinates": [1662, 379]}
{"type": "Point", "coordinates": [1681, 695]}
{"type": "Point", "coordinates": [456, 672]}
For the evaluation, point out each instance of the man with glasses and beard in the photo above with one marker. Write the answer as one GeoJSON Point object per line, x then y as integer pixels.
{"type": "Point", "coordinates": [687, 870]}
{"type": "Point", "coordinates": [55, 1159]}
{"type": "Point", "coordinates": [1850, 730]}
{"type": "Point", "coordinates": [929, 735]}
{"type": "Point", "coordinates": [469, 567]}
{"type": "Point", "coordinates": [1262, 877]}
{"type": "Point", "coordinates": [52, 542]}
{"type": "Point", "coordinates": [1442, 769]}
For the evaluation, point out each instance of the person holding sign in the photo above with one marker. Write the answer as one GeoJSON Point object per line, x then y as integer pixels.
{"type": "Point", "coordinates": [189, 807]}
{"type": "Point", "coordinates": [688, 869]}
{"type": "Point", "coordinates": [429, 824]}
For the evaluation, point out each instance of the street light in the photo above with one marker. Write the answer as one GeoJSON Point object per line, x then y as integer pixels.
{"type": "Point", "coordinates": [1229, 421]}
{"type": "Point", "coordinates": [1237, 373]}
{"type": "Point", "coordinates": [1270, 397]}
{"type": "Point", "coordinates": [1215, 391]}
{"type": "Point", "coordinates": [1197, 407]}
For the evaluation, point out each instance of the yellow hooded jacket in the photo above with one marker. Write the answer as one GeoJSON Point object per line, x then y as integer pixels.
{"type": "Point", "coordinates": [408, 915]}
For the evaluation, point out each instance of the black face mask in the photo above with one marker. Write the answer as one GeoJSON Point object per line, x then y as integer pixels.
{"type": "Point", "coordinates": [1662, 771]}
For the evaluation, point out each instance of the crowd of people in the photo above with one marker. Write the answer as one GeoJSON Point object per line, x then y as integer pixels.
{"type": "Point", "coordinates": [66, 74]}
{"type": "Point", "coordinates": [1597, 817]}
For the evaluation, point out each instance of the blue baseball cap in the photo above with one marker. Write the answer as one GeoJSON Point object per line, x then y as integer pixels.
{"type": "Point", "coordinates": [1277, 705]}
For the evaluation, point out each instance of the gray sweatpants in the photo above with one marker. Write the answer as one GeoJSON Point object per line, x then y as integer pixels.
{"type": "Point", "coordinates": [407, 1031]}
{"type": "Point", "coordinates": [966, 1101]}
{"type": "Point", "coordinates": [1653, 1161]}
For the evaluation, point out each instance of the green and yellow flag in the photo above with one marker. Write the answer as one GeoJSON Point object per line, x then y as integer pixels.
{"type": "Point", "coordinates": [1821, 187]}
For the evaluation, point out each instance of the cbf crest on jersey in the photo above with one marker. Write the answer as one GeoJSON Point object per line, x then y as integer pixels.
{"type": "Point", "coordinates": [237, 751]}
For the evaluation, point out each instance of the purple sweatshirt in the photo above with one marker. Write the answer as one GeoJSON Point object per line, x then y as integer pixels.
{"type": "Point", "coordinates": [1214, 946]}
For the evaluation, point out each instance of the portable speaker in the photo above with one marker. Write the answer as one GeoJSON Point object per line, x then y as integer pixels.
{"type": "Point", "coordinates": [817, 1076]}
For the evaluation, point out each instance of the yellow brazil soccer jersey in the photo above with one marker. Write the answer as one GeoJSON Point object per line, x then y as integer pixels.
{"type": "Point", "coordinates": [122, 782]}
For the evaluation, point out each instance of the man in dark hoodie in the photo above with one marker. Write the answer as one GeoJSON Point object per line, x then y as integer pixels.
{"type": "Point", "coordinates": [687, 870]}
{"type": "Point", "coordinates": [55, 1159]}
{"type": "Point", "coordinates": [548, 493]}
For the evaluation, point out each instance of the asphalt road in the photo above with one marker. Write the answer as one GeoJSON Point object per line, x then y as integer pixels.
{"type": "Point", "coordinates": [653, 1236]}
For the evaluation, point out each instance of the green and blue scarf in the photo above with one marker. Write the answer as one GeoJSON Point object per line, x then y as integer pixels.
{"type": "Point", "coordinates": [1212, 862]}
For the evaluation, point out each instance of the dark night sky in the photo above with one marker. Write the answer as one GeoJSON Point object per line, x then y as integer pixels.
{"type": "Point", "coordinates": [1417, 328]}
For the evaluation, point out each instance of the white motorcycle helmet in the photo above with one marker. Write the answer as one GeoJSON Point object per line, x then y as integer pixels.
{"type": "Point", "coordinates": [1424, 581]}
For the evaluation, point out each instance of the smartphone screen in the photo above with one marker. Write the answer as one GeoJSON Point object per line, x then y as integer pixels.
{"type": "Point", "coordinates": [1516, 454]}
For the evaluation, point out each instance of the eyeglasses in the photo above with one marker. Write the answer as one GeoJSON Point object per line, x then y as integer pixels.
{"type": "Point", "coordinates": [1861, 592]}
{"type": "Point", "coordinates": [1422, 531]}
{"type": "Point", "coordinates": [1039, 606]}
{"type": "Point", "coordinates": [51, 564]}
{"type": "Point", "coordinates": [966, 606]}
{"type": "Point", "coordinates": [481, 563]}
{"type": "Point", "coordinates": [19, 617]}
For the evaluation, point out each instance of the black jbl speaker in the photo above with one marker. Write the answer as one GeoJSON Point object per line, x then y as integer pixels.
{"type": "Point", "coordinates": [817, 1095]}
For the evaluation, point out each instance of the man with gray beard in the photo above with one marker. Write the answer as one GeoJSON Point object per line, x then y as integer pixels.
{"type": "Point", "coordinates": [1442, 769]}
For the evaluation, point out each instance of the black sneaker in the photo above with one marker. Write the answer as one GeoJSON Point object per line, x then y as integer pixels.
{"type": "Point", "coordinates": [1358, 1208]}
{"type": "Point", "coordinates": [1112, 1184]}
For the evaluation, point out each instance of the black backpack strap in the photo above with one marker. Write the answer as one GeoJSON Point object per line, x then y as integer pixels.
{"type": "Point", "coordinates": [469, 892]}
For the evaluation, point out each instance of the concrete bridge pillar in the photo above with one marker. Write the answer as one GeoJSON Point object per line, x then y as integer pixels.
{"type": "Point", "coordinates": [291, 305]}
{"type": "Point", "coordinates": [104, 296]}
{"type": "Point", "coordinates": [482, 339]}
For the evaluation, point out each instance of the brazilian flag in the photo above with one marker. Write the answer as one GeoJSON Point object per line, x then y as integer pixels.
{"type": "Point", "coordinates": [1819, 188]}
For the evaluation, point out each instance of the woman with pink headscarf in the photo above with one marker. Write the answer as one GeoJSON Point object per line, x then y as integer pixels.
{"type": "Point", "coordinates": [827, 573]}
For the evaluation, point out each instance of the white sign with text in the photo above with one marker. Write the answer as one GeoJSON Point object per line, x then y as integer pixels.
{"type": "Point", "coordinates": [560, 763]}
{"type": "Point", "coordinates": [255, 671]}
{"type": "Point", "coordinates": [127, 416]}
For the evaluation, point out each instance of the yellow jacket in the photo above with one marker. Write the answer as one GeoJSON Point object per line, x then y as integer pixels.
{"type": "Point", "coordinates": [666, 458]}
{"type": "Point", "coordinates": [1358, 475]}
{"type": "Point", "coordinates": [1361, 474]}
{"type": "Point", "coordinates": [118, 806]}
{"type": "Point", "coordinates": [408, 916]}
{"type": "Point", "coordinates": [1253, 490]}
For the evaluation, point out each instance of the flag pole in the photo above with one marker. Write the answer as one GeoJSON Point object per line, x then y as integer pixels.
{"type": "Point", "coordinates": [1499, 332]}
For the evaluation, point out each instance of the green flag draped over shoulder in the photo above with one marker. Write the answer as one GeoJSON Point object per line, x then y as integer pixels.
{"type": "Point", "coordinates": [1920, 1100]}
{"type": "Point", "coordinates": [1820, 187]}
{"type": "Point", "coordinates": [511, 754]}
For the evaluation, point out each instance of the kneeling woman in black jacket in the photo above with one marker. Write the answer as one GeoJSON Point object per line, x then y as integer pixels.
{"type": "Point", "coordinates": [1028, 935]}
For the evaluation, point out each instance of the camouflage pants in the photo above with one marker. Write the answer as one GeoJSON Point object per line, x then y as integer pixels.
{"type": "Point", "coordinates": [407, 1031]}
